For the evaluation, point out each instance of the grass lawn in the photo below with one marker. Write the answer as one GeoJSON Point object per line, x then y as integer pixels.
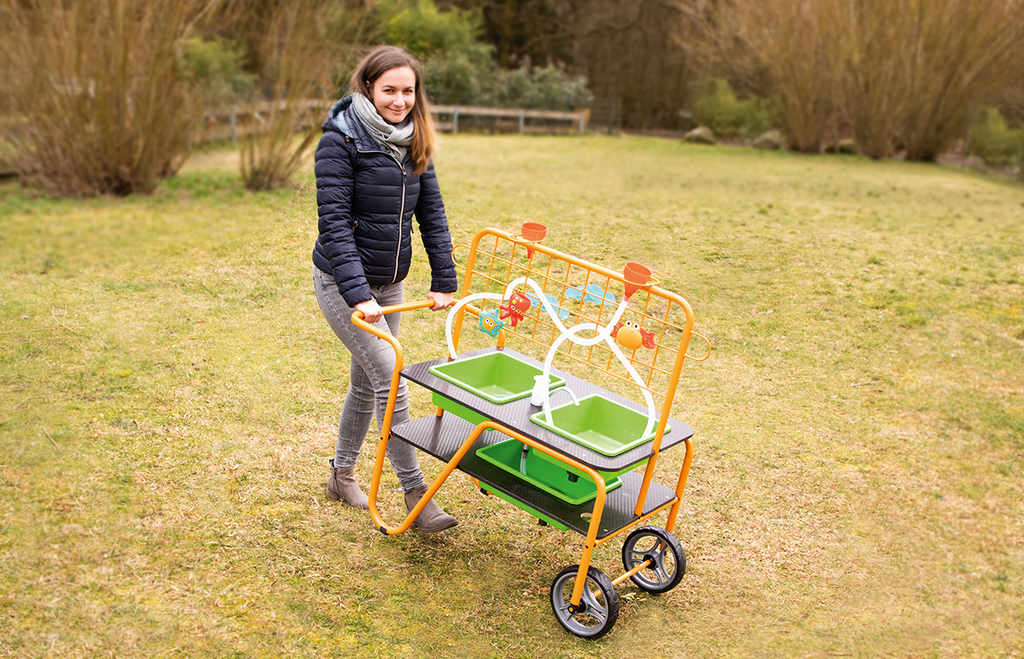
{"type": "Point", "coordinates": [169, 393]}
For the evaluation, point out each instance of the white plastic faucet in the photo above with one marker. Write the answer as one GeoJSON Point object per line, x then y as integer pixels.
{"type": "Point", "coordinates": [567, 390]}
{"type": "Point", "coordinates": [542, 397]}
{"type": "Point", "coordinates": [541, 391]}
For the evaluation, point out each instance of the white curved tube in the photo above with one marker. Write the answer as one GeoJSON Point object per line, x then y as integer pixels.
{"type": "Point", "coordinates": [455, 309]}
{"type": "Point", "coordinates": [570, 334]}
{"type": "Point", "coordinates": [544, 303]}
{"type": "Point", "coordinates": [651, 413]}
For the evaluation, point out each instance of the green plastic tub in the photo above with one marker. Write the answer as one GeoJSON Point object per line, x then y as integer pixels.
{"type": "Point", "coordinates": [494, 376]}
{"type": "Point", "coordinates": [600, 424]}
{"type": "Point", "coordinates": [556, 478]}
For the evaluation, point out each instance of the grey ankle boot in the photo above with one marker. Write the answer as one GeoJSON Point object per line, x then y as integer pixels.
{"type": "Point", "coordinates": [431, 518]}
{"type": "Point", "coordinates": [342, 486]}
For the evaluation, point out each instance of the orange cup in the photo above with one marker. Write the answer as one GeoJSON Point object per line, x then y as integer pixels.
{"type": "Point", "coordinates": [533, 231]}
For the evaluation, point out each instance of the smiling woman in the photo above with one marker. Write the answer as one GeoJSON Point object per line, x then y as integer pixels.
{"type": "Point", "coordinates": [373, 174]}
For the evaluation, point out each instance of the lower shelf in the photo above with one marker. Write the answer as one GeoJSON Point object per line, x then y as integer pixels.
{"type": "Point", "coordinates": [441, 437]}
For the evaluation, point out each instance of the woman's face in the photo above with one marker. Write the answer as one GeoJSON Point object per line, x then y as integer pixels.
{"type": "Point", "coordinates": [394, 93]}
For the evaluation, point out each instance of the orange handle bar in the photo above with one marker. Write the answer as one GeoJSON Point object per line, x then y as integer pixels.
{"type": "Point", "coordinates": [357, 316]}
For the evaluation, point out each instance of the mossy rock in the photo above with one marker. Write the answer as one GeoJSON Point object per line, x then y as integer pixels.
{"type": "Point", "coordinates": [771, 140]}
{"type": "Point", "coordinates": [700, 135]}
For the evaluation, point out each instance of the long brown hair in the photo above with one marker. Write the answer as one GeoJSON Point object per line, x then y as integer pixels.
{"type": "Point", "coordinates": [374, 65]}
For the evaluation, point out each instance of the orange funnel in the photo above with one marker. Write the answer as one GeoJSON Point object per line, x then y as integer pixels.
{"type": "Point", "coordinates": [636, 276]}
{"type": "Point", "coordinates": [533, 232]}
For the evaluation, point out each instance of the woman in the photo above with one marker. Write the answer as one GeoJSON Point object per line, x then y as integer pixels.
{"type": "Point", "coordinates": [373, 174]}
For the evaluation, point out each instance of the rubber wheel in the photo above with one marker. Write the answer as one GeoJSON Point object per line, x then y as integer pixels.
{"type": "Point", "coordinates": [598, 609]}
{"type": "Point", "coordinates": [668, 562]}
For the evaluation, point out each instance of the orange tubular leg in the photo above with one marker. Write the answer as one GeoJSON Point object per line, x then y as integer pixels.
{"type": "Point", "coordinates": [396, 375]}
{"type": "Point", "coordinates": [680, 486]}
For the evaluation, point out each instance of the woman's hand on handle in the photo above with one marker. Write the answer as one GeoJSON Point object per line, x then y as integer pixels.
{"type": "Point", "coordinates": [371, 310]}
{"type": "Point", "coordinates": [441, 300]}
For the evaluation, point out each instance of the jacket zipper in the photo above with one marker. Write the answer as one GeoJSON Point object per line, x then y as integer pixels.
{"type": "Point", "coordinates": [401, 212]}
{"type": "Point", "coordinates": [401, 222]}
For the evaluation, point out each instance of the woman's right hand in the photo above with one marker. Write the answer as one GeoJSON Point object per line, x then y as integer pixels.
{"type": "Point", "coordinates": [371, 310]}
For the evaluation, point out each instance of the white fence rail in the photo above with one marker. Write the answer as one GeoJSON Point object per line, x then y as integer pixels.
{"type": "Point", "coordinates": [447, 118]}
{"type": "Point", "coordinates": [237, 121]}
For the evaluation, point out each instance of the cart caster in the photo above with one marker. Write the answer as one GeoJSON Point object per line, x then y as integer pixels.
{"type": "Point", "coordinates": [668, 562]}
{"type": "Point", "coordinates": [598, 608]}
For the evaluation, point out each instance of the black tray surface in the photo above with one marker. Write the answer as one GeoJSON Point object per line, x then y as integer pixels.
{"type": "Point", "coordinates": [441, 437]}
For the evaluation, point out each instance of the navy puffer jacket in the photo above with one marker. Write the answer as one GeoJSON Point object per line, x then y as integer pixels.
{"type": "Point", "coordinates": [366, 202]}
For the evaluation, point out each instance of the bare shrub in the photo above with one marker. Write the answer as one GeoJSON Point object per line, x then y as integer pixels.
{"type": "Point", "coordinates": [94, 85]}
{"type": "Point", "coordinates": [961, 52]}
{"type": "Point", "coordinates": [295, 60]}
{"type": "Point", "coordinates": [786, 49]}
{"type": "Point", "coordinates": [874, 73]}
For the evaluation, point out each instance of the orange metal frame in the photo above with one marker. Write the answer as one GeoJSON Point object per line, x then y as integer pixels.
{"type": "Point", "coordinates": [498, 264]}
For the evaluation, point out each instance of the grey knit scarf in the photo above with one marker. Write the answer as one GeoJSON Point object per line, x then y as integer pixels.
{"type": "Point", "coordinates": [392, 139]}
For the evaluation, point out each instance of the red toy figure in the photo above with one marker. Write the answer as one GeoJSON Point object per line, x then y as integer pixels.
{"type": "Point", "coordinates": [630, 335]}
{"type": "Point", "coordinates": [516, 308]}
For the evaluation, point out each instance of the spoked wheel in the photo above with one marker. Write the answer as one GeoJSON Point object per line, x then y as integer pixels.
{"type": "Point", "coordinates": [667, 560]}
{"type": "Point", "coordinates": [598, 608]}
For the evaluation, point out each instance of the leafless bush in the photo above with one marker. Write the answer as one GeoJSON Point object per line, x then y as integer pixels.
{"type": "Point", "coordinates": [905, 74]}
{"type": "Point", "coordinates": [785, 49]}
{"type": "Point", "coordinates": [874, 73]}
{"type": "Point", "coordinates": [912, 71]}
{"type": "Point", "coordinates": [961, 51]}
{"type": "Point", "coordinates": [294, 61]}
{"type": "Point", "coordinates": [95, 88]}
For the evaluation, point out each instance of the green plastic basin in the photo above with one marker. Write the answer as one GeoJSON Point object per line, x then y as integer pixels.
{"type": "Point", "coordinates": [599, 424]}
{"type": "Point", "coordinates": [556, 478]}
{"type": "Point", "coordinates": [494, 376]}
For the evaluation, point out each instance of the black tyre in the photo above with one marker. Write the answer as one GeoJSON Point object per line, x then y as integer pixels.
{"type": "Point", "coordinates": [598, 608]}
{"type": "Point", "coordinates": [667, 560]}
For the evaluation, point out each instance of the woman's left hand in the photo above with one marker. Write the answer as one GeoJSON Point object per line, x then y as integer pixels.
{"type": "Point", "coordinates": [441, 300]}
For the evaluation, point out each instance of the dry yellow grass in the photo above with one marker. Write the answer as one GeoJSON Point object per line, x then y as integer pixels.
{"type": "Point", "coordinates": [170, 390]}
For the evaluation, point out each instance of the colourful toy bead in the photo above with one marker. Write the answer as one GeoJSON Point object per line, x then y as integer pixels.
{"type": "Point", "coordinates": [489, 323]}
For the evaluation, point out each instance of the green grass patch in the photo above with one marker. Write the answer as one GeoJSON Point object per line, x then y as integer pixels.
{"type": "Point", "coordinates": [170, 393]}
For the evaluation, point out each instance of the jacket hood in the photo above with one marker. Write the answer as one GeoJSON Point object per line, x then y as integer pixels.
{"type": "Point", "coordinates": [343, 120]}
{"type": "Point", "coordinates": [335, 118]}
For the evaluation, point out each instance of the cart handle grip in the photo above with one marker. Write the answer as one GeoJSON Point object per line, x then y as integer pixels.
{"type": "Point", "coordinates": [396, 308]}
{"type": "Point", "coordinates": [357, 316]}
{"type": "Point", "coordinates": [358, 321]}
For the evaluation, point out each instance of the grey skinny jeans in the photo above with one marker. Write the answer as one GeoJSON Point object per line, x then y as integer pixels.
{"type": "Point", "coordinates": [373, 361]}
